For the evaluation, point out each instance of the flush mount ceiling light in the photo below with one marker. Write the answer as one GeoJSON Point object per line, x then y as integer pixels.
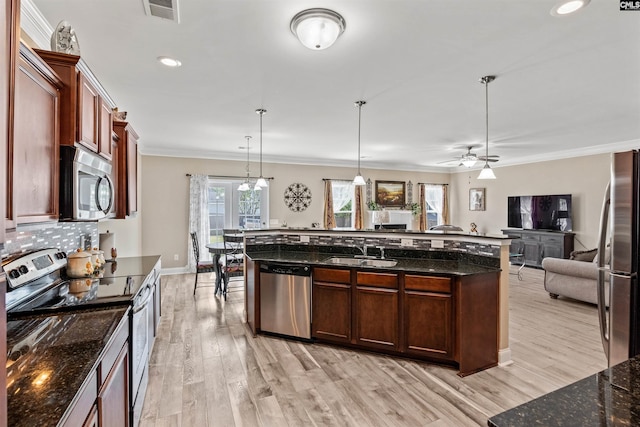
{"type": "Point", "coordinates": [169, 62]}
{"type": "Point", "coordinates": [245, 185]}
{"type": "Point", "coordinates": [487, 172]}
{"type": "Point", "coordinates": [567, 7]}
{"type": "Point", "coordinates": [317, 28]}
{"type": "Point", "coordinates": [261, 183]}
{"type": "Point", "coordinates": [359, 179]}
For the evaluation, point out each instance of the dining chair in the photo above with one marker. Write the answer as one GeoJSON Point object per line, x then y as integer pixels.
{"type": "Point", "coordinates": [201, 266]}
{"type": "Point", "coordinates": [233, 259]}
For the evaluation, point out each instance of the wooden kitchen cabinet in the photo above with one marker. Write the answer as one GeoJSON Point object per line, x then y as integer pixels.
{"type": "Point", "coordinates": [126, 169]}
{"type": "Point", "coordinates": [113, 399]}
{"type": "Point", "coordinates": [92, 419]}
{"type": "Point", "coordinates": [376, 310]}
{"type": "Point", "coordinates": [428, 316]}
{"type": "Point", "coordinates": [34, 161]}
{"type": "Point", "coordinates": [331, 305]}
{"type": "Point", "coordinates": [86, 108]}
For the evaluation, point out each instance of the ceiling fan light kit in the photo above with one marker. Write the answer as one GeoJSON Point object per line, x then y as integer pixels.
{"type": "Point", "coordinates": [359, 179]}
{"type": "Point", "coordinates": [487, 172]}
{"type": "Point", "coordinates": [567, 7]}
{"type": "Point", "coordinates": [317, 28]}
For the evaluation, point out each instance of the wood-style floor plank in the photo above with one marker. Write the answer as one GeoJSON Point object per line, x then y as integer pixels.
{"type": "Point", "coordinates": [206, 369]}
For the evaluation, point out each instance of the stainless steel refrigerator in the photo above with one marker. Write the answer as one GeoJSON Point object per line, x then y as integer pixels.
{"type": "Point", "coordinates": [619, 225]}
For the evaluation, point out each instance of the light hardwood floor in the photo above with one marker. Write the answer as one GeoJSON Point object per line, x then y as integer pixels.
{"type": "Point", "coordinates": [206, 368]}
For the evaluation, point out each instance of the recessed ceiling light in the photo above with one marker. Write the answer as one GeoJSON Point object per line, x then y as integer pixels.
{"type": "Point", "coordinates": [169, 62]}
{"type": "Point", "coordinates": [568, 6]}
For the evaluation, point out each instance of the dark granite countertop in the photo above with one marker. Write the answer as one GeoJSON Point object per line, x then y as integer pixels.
{"type": "Point", "coordinates": [378, 231]}
{"type": "Point", "coordinates": [131, 266]}
{"type": "Point", "coordinates": [48, 360]}
{"type": "Point", "coordinates": [608, 398]}
{"type": "Point", "coordinates": [458, 266]}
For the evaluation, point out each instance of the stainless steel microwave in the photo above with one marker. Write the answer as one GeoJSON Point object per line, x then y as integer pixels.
{"type": "Point", "coordinates": [86, 189]}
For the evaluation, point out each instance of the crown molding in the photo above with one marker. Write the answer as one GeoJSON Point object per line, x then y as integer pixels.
{"type": "Point", "coordinates": [35, 25]}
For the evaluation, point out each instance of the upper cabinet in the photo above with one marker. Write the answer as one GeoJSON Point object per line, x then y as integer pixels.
{"type": "Point", "coordinates": [85, 109]}
{"type": "Point", "coordinates": [125, 169]}
{"type": "Point", "coordinates": [32, 185]}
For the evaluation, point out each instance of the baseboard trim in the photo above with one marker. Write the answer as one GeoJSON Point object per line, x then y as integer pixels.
{"type": "Point", "coordinates": [175, 270]}
{"type": "Point", "coordinates": [504, 357]}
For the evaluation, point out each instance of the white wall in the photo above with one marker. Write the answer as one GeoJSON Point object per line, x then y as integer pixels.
{"type": "Point", "coordinates": [585, 178]}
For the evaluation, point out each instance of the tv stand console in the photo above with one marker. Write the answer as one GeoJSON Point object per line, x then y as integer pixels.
{"type": "Point", "coordinates": [534, 245]}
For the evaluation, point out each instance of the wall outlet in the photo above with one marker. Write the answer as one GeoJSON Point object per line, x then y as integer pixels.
{"type": "Point", "coordinates": [406, 242]}
{"type": "Point", "coordinates": [304, 239]}
{"type": "Point", "coordinates": [176, 257]}
{"type": "Point", "coordinates": [437, 243]}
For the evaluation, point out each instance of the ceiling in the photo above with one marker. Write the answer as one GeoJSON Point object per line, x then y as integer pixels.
{"type": "Point", "coordinates": [565, 86]}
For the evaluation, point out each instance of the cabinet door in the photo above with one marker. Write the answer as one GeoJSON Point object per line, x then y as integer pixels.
{"type": "Point", "coordinates": [92, 419]}
{"type": "Point", "coordinates": [532, 252]}
{"type": "Point", "coordinates": [113, 399]}
{"type": "Point", "coordinates": [376, 317]}
{"type": "Point", "coordinates": [331, 309]}
{"type": "Point", "coordinates": [105, 126]}
{"type": "Point", "coordinates": [88, 107]}
{"type": "Point", "coordinates": [428, 323]}
{"type": "Point", "coordinates": [35, 147]}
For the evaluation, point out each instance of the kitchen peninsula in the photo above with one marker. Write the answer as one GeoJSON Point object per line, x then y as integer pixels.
{"type": "Point", "coordinates": [438, 296]}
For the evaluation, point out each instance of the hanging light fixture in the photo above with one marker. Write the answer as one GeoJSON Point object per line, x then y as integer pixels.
{"type": "Point", "coordinates": [317, 28]}
{"type": "Point", "coordinates": [487, 172]}
{"type": "Point", "coordinates": [245, 185]}
{"type": "Point", "coordinates": [261, 183]}
{"type": "Point", "coordinates": [359, 179]}
{"type": "Point", "coordinates": [469, 159]}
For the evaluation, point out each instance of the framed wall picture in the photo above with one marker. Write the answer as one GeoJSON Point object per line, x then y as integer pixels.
{"type": "Point", "coordinates": [390, 193]}
{"type": "Point", "coordinates": [476, 199]}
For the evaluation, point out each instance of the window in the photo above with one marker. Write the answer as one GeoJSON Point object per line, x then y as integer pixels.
{"type": "Point", "coordinates": [343, 196]}
{"type": "Point", "coordinates": [230, 208]}
{"type": "Point", "coordinates": [434, 196]}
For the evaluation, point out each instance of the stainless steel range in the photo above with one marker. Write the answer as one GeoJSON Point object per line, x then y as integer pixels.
{"type": "Point", "coordinates": [37, 285]}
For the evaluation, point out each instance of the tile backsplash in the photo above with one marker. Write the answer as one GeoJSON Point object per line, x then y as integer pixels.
{"type": "Point", "coordinates": [66, 236]}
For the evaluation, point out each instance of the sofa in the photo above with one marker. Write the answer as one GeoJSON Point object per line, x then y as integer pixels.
{"type": "Point", "coordinates": [576, 277]}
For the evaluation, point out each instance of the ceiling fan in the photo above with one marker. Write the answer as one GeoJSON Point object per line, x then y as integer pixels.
{"type": "Point", "coordinates": [469, 159]}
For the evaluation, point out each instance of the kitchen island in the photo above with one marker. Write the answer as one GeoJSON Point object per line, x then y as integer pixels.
{"type": "Point", "coordinates": [430, 297]}
{"type": "Point", "coordinates": [608, 398]}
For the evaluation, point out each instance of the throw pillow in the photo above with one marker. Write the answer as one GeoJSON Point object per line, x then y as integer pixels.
{"type": "Point", "coordinates": [586, 256]}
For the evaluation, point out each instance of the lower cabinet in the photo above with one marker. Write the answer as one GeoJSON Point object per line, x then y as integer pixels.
{"type": "Point", "coordinates": [535, 245]}
{"type": "Point", "coordinates": [428, 316]}
{"type": "Point", "coordinates": [376, 310]}
{"type": "Point", "coordinates": [331, 305]}
{"type": "Point", "coordinates": [92, 419]}
{"type": "Point", "coordinates": [113, 399]}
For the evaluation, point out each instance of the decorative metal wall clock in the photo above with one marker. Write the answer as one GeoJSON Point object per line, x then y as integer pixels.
{"type": "Point", "coordinates": [297, 197]}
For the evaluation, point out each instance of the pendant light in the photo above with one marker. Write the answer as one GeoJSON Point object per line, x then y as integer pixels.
{"type": "Point", "coordinates": [487, 172]}
{"type": "Point", "coordinates": [317, 28]}
{"type": "Point", "coordinates": [359, 179]}
{"type": "Point", "coordinates": [261, 183]}
{"type": "Point", "coordinates": [245, 185]}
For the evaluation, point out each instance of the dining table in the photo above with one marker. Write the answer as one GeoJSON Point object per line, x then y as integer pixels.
{"type": "Point", "coordinates": [216, 250]}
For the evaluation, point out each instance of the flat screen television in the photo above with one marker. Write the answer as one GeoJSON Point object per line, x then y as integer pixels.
{"type": "Point", "coordinates": [546, 212]}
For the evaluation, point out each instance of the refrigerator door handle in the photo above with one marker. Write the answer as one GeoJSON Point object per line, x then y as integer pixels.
{"type": "Point", "coordinates": [602, 308]}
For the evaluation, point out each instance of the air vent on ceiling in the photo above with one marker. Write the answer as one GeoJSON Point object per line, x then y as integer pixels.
{"type": "Point", "coordinates": [165, 9]}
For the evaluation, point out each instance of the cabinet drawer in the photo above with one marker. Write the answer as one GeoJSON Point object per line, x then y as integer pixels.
{"type": "Point", "coordinates": [552, 239]}
{"type": "Point", "coordinates": [331, 275]}
{"type": "Point", "coordinates": [531, 237]}
{"type": "Point", "coordinates": [381, 280]}
{"type": "Point", "coordinates": [118, 340]}
{"type": "Point", "coordinates": [427, 283]}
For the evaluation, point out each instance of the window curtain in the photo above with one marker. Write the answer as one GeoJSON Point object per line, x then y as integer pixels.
{"type": "Point", "coordinates": [342, 194]}
{"type": "Point", "coordinates": [198, 217]}
{"type": "Point", "coordinates": [423, 207]}
{"type": "Point", "coordinates": [329, 219]}
{"type": "Point", "coordinates": [359, 208]}
{"type": "Point", "coordinates": [445, 204]}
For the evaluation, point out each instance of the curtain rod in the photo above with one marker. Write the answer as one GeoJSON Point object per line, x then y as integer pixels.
{"type": "Point", "coordinates": [431, 183]}
{"type": "Point", "coordinates": [234, 177]}
{"type": "Point", "coordinates": [337, 179]}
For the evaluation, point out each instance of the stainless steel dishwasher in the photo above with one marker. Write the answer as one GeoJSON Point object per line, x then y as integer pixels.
{"type": "Point", "coordinates": [285, 299]}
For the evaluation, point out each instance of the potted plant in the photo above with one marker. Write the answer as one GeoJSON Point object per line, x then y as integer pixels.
{"type": "Point", "coordinates": [414, 208]}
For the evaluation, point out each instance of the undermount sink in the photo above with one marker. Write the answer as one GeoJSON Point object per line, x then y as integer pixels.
{"type": "Point", "coordinates": [362, 262]}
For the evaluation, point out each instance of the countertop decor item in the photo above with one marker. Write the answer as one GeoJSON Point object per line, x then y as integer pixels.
{"type": "Point", "coordinates": [64, 39]}
{"type": "Point", "coordinates": [317, 28]}
{"type": "Point", "coordinates": [297, 197]}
